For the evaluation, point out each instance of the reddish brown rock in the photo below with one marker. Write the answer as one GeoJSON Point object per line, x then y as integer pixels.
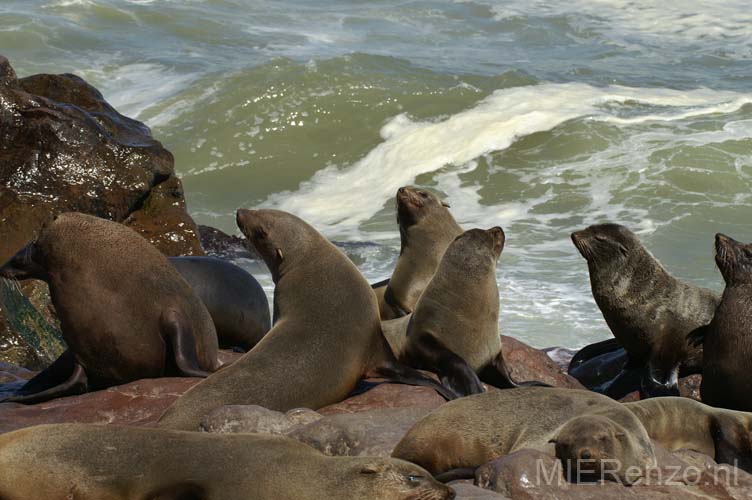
{"type": "Point", "coordinates": [387, 396]}
{"type": "Point", "coordinates": [137, 403]}
{"type": "Point", "coordinates": [468, 491]}
{"type": "Point", "coordinates": [219, 244]}
{"type": "Point", "coordinates": [528, 363]}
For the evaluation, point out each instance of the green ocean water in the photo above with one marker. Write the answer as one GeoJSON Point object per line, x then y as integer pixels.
{"type": "Point", "coordinates": [541, 117]}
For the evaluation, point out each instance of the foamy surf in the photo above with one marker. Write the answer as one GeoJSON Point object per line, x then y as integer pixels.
{"type": "Point", "coordinates": [339, 199]}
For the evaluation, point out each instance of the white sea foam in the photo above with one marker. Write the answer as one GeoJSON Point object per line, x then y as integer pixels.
{"type": "Point", "coordinates": [338, 199]}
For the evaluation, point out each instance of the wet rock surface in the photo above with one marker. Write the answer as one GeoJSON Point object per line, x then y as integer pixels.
{"type": "Point", "coordinates": [64, 148]}
{"type": "Point", "coordinates": [220, 244]}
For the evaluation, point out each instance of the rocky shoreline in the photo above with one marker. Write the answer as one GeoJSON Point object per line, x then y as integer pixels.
{"type": "Point", "coordinates": [64, 148]}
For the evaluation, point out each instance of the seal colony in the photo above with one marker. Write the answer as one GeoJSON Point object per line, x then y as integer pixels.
{"type": "Point", "coordinates": [135, 314]}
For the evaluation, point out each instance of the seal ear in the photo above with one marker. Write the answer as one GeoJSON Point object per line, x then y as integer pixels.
{"type": "Point", "coordinates": [553, 441]}
{"type": "Point", "coordinates": [443, 203]}
{"type": "Point", "coordinates": [280, 254]}
{"type": "Point", "coordinates": [372, 468]}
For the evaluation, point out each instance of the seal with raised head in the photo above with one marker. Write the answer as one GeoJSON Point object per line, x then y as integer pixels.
{"type": "Point", "coordinates": [683, 423]}
{"type": "Point", "coordinates": [727, 340]}
{"type": "Point", "coordinates": [426, 230]}
{"type": "Point", "coordinates": [326, 334]}
{"type": "Point", "coordinates": [235, 300]}
{"type": "Point", "coordinates": [580, 428]}
{"type": "Point", "coordinates": [118, 463]}
{"type": "Point", "coordinates": [649, 311]}
{"type": "Point", "coordinates": [125, 312]}
{"type": "Point", "coordinates": [454, 330]}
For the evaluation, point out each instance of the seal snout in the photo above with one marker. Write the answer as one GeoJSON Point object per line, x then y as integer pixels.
{"type": "Point", "coordinates": [244, 216]}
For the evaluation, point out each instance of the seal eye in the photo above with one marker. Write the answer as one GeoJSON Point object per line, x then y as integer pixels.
{"type": "Point", "coordinates": [414, 478]}
{"type": "Point", "coordinates": [423, 194]}
{"type": "Point", "coordinates": [586, 455]}
{"type": "Point", "coordinates": [259, 233]}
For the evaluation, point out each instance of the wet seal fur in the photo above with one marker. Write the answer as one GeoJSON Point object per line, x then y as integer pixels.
{"type": "Point", "coordinates": [727, 340]}
{"type": "Point", "coordinates": [454, 330]}
{"type": "Point", "coordinates": [117, 463]}
{"type": "Point", "coordinates": [649, 311]}
{"type": "Point", "coordinates": [426, 230]}
{"type": "Point", "coordinates": [578, 427]}
{"type": "Point", "coordinates": [235, 300]}
{"type": "Point", "coordinates": [125, 312]}
{"type": "Point", "coordinates": [326, 334]}
{"type": "Point", "coordinates": [683, 423]}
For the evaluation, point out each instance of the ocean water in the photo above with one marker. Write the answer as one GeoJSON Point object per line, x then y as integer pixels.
{"type": "Point", "coordinates": [539, 116]}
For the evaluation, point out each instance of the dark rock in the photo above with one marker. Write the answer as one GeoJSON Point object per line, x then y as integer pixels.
{"type": "Point", "coordinates": [163, 220]}
{"type": "Point", "coordinates": [219, 244]}
{"type": "Point", "coordinates": [527, 363]}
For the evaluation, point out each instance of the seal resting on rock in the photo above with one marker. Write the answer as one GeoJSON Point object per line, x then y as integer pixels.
{"type": "Point", "coordinates": [235, 300]}
{"type": "Point", "coordinates": [125, 312]}
{"type": "Point", "coordinates": [683, 423]}
{"type": "Point", "coordinates": [727, 340]}
{"type": "Point", "coordinates": [117, 463]}
{"type": "Point", "coordinates": [426, 230]}
{"type": "Point", "coordinates": [326, 335]}
{"type": "Point", "coordinates": [580, 428]}
{"type": "Point", "coordinates": [454, 330]}
{"type": "Point", "coordinates": [649, 311]}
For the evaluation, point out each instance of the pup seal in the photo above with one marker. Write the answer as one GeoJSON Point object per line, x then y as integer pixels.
{"type": "Point", "coordinates": [683, 423]}
{"type": "Point", "coordinates": [649, 311]}
{"type": "Point", "coordinates": [726, 340]}
{"type": "Point", "coordinates": [125, 312]}
{"type": "Point", "coordinates": [116, 463]}
{"type": "Point", "coordinates": [326, 334]}
{"type": "Point", "coordinates": [426, 230]}
{"type": "Point", "coordinates": [454, 330]}
{"type": "Point", "coordinates": [235, 300]}
{"type": "Point", "coordinates": [578, 427]}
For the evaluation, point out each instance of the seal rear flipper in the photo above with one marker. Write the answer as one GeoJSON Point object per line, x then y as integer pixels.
{"type": "Point", "coordinates": [77, 383]}
{"type": "Point", "coordinates": [592, 351]}
{"type": "Point", "coordinates": [496, 374]}
{"type": "Point", "coordinates": [455, 474]}
{"type": "Point", "coordinates": [401, 374]}
{"type": "Point", "coordinates": [430, 353]}
{"type": "Point", "coordinates": [58, 372]}
{"type": "Point", "coordinates": [657, 382]}
{"type": "Point", "coordinates": [180, 335]}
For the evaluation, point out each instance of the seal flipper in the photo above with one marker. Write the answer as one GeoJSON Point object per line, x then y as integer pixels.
{"type": "Point", "coordinates": [593, 351]}
{"type": "Point", "coordinates": [180, 336]}
{"type": "Point", "coordinates": [455, 474]}
{"type": "Point", "coordinates": [496, 374]}
{"type": "Point", "coordinates": [696, 337]}
{"type": "Point", "coordinates": [430, 353]}
{"type": "Point", "coordinates": [58, 372]}
{"type": "Point", "coordinates": [76, 384]}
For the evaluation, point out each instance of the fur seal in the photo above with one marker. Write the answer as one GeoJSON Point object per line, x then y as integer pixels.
{"type": "Point", "coordinates": [580, 428]}
{"type": "Point", "coordinates": [125, 312]}
{"type": "Point", "coordinates": [727, 360]}
{"type": "Point", "coordinates": [426, 230]}
{"type": "Point", "coordinates": [454, 330]}
{"type": "Point", "coordinates": [326, 334]}
{"type": "Point", "coordinates": [683, 423]}
{"type": "Point", "coordinates": [117, 463]}
{"type": "Point", "coordinates": [235, 300]}
{"type": "Point", "coordinates": [649, 311]}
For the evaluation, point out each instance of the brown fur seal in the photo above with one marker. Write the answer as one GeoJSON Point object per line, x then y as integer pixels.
{"type": "Point", "coordinates": [683, 423]}
{"type": "Point", "coordinates": [125, 312]}
{"type": "Point", "coordinates": [454, 330]}
{"type": "Point", "coordinates": [93, 462]}
{"type": "Point", "coordinates": [581, 428]}
{"type": "Point", "coordinates": [727, 340]}
{"type": "Point", "coordinates": [326, 334]}
{"type": "Point", "coordinates": [236, 301]}
{"type": "Point", "coordinates": [649, 311]}
{"type": "Point", "coordinates": [426, 230]}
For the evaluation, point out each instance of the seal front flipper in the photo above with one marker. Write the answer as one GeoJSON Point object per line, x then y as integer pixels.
{"type": "Point", "coordinates": [496, 374]}
{"type": "Point", "coordinates": [76, 384]}
{"type": "Point", "coordinates": [696, 337]}
{"type": "Point", "coordinates": [455, 474]}
{"type": "Point", "coordinates": [58, 372]}
{"type": "Point", "coordinates": [180, 336]}
{"type": "Point", "coordinates": [430, 353]}
{"type": "Point", "coordinates": [592, 351]}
